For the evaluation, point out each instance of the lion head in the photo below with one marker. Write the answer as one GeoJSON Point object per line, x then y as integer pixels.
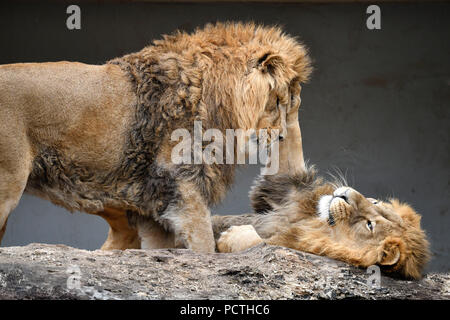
{"type": "Point", "coordinates": [388, 233]}
{"type": "Point", "coordinates": [250, 71]}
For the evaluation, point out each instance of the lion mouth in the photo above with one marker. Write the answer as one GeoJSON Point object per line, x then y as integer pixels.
{"type": "Point", "coordinates": [327, 208]}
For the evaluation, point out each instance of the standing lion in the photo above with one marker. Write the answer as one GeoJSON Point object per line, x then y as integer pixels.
{"type": "Point", "coordinates": [91, 137]}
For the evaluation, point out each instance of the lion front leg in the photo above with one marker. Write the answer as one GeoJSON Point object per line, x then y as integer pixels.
{"type": "Point", "coordinates": [154, 236]}
{"type": "Point", "coordinates": [238, 238]}
{"type": "Point", "coordinates": [187, 222]}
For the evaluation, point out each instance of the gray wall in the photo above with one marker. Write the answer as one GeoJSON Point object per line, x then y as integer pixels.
{"type": "Point", "coordinates": [377, 107]}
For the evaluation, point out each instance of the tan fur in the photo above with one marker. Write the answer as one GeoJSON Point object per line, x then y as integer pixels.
{"type": "Point", "coordinates": [120, 236]}
{"type": "Point", "coordinates": [238, 238]}
{"type": "Point", "coordinates": [65, 104]}
{"type": "Point", "coordinates": [92, 138]}
{"type": "Point", "coordinates": [153, 236]}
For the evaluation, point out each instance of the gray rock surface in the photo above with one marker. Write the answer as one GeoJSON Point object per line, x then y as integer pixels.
{"type": "Point", "coordinates": [40, 271]}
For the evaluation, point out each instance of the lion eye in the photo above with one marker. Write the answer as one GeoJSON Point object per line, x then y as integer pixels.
{"type": "Point", "coordinates": [370, 225]}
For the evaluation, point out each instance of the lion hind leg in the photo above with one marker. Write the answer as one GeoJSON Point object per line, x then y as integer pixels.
{"type": "Point", "coordinates": [15, 162]}
{"type": "Point", "coordinates": [238, 238]}
{"type": "Point", "coordinates": [12, 186]}
{"type": "Point", "coordinates": [15, 167]}
{"type": "Point", "coordinates": [121, 235]}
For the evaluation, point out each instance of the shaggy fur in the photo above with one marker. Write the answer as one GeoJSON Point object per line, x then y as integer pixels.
{"type": "Point", "coordinates": [91, 138]}
{"type": "Point", "coordinates": [288, 206]}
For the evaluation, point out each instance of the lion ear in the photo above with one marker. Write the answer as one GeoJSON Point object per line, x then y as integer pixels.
{"type": "Point", "coordinates": [269, 62]}
{"type": "Point", "coordinates": [389, 252]}
{"type": "Point", "coordinates": [406, 212]}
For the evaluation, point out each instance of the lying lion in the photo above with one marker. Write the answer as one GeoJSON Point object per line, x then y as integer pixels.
{"type": "Point", "coordinates": [97, 138]}
{"type": "Point", "coordinates": [306, 213]}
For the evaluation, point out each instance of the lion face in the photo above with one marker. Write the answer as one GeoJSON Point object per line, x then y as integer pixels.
{"type": "Point", "coordinates": [269, 84]}
{"type": "Point", "coordinates": [273, 120]}
{"type": "Point", "coordinates": [279, 104]}
{"type": "Point", "coordinates": [389, 231]}
{"type": "Point", "coordinates": [368, 218]}
{"type": "Point", "coordinates": [246, 72]}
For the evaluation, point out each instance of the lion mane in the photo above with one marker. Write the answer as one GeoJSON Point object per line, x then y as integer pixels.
{"type": "Point", "coordinates": [99, 137]}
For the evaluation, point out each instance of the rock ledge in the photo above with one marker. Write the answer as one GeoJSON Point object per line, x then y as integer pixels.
{"type": "Point", "coordinates": [40, 271]}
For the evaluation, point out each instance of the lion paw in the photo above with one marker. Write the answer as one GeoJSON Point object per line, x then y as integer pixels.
{"type": "Point", "coordinates": [238, 238]}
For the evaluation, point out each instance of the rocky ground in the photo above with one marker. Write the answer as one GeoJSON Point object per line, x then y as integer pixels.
{"type": "Point", "coordinates": [40, 271]}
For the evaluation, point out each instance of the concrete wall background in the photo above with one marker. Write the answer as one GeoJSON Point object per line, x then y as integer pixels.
{"type": "Point", "coordinates": [377, 107]}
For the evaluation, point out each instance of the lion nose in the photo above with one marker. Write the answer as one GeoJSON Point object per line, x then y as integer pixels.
{"type": "Point", "coordinates": [342, 193]}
